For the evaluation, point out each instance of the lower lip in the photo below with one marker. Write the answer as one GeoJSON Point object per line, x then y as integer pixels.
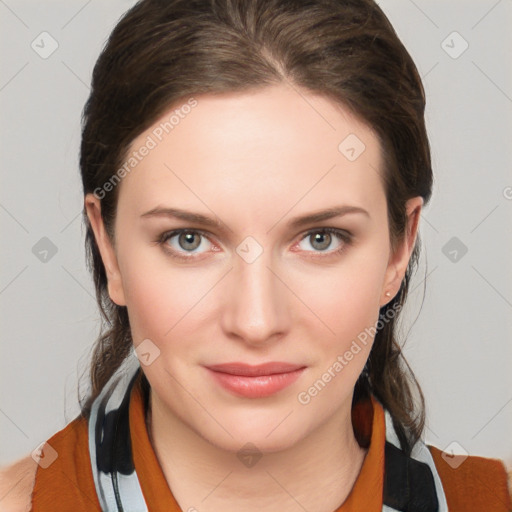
{"type": "Point", "coordinates": [256, 387]}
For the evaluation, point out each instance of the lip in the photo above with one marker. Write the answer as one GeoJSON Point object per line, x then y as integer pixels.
{"type": "Point", "coordinates": [255, 381]}
{"type": "Point", "coordinates": [248, 370]}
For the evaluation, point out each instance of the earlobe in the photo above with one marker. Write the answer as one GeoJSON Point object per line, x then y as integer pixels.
{"type": "Point", "coordinates": [107, 252]}
{"type": "Point", "coordinates": [399, 259]}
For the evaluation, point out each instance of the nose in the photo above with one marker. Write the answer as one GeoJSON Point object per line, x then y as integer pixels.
{"type": "Point", "coordinates": [256, 309]}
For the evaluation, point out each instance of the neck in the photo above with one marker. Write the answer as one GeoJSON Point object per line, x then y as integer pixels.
{"type": "Point", "coordinates": [316, 474]}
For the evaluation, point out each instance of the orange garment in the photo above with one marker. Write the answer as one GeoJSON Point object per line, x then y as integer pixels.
{"type": "Point", "coordinates": [68, 485]}
{"type": "Point", "coordinates": [486, 477]}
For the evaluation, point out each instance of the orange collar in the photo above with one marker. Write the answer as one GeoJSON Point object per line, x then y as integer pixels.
{"type": "Point", "coordinates": [366, 494]}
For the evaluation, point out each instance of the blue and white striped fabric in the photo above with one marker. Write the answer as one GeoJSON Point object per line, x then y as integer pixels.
{"type": "Point", "coordinates": [116, 481]}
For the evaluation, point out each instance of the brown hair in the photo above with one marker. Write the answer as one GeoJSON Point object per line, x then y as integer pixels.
{"type": "Point", "coordinates": [162, 51]}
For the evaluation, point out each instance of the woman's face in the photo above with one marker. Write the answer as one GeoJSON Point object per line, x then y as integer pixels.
{"type": "Point", "coordinates": [260, 286]}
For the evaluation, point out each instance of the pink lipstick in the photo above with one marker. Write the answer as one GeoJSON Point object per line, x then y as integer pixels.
{"type": "Point", "coordinates": [255, 381]}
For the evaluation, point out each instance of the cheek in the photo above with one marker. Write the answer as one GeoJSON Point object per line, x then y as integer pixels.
{"type": "Point", "coordinates": [347, 299]}
{"type": "Point", "coordinates": [348, 304]}
{"type": "Point", "coordinates": [161, 299]}
{"type": "Point", "coordinates": [350, 309]}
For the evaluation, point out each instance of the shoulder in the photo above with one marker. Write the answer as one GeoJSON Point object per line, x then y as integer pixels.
{"type": "Point", "coordinates": [66, 460]}
{"type": "Point", "coordinates": [16, 485]}
{"type": "Point", "coordinates": [474, 480]}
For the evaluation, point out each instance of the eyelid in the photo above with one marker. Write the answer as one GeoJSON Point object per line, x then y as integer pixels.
{"type": "Point", "coordinates": [167, 235]}
{"type": "Point", "coordinates": [344, 235]}
{"type": "Point", "coordinates": [327, 229]}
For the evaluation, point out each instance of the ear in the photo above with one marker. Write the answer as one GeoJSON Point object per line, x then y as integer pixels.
{"type": "Point", "coordinates": [107, 251]}
{"type": "Point", "coordinates": [399, 258]}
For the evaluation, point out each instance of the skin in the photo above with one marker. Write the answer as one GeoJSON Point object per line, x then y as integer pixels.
{"type": "Point", "coordinates": [254, 161]}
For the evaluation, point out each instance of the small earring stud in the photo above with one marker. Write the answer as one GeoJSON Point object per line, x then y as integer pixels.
{"type": "Point", "coordinates": [388, 294]}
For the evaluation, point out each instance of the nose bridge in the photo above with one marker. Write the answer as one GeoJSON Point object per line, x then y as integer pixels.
{"type": "Point", "coordinates": [256, 304]}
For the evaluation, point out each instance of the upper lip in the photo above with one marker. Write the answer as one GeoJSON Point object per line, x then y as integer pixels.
{"type": "Point", "coordinates": [257, 370]}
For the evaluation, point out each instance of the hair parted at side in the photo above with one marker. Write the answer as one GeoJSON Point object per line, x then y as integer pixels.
{"type": "Point", "coordinates": [162, 52]}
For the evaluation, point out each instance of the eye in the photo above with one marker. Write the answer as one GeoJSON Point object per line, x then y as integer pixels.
{"type": "Point", "coordinates": [322, 238]}
{"type": "Point", "coordinates": [186, 241]}
{"type": "Point", "coordinates": [186, 244]}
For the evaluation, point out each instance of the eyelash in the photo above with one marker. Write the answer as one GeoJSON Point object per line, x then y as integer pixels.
{"type": "Point", "coordinates": [344, 236]}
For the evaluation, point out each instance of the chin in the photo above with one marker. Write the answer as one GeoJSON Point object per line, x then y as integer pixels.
{"type": "Point", "coordinates": [267, 435]}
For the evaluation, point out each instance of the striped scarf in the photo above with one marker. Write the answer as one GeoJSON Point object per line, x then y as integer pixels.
{"type": "Point", "coordinates": [411, 483]}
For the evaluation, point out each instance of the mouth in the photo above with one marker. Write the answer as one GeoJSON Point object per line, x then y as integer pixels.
{"type": "Point", "coordinates": [255, 381]}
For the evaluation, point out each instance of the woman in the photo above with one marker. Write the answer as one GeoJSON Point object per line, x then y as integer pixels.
{"type": "Point", "coordinates": [254, 174]}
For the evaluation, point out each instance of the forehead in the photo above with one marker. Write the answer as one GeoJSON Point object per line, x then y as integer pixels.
{"type": "Point", "coordinates": [270, 148]}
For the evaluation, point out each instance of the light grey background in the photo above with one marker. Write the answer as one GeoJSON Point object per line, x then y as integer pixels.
{"type": "Point", "coordinates": [459, 346]}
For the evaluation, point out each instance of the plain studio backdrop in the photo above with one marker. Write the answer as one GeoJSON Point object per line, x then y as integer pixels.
{"type": "Point", "coordinates": [460, 344]}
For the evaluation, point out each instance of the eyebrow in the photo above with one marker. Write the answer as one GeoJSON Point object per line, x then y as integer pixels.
{"type": "Point", "coordinates": [199, 218]}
